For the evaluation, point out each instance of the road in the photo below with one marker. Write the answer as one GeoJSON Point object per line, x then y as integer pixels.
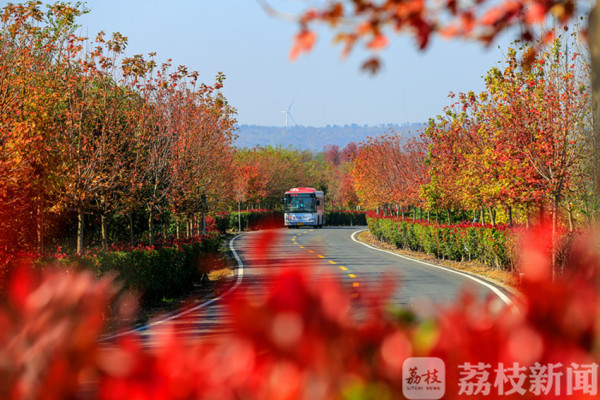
{"type": "Point", "coordinates": [335, 252]}
{"type": "Point", "coordinates": [326, 253]}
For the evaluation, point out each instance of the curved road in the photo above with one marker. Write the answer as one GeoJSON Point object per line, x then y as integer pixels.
{"type": "Point", "coordinates": [330, 252]}
{"type": "Point", "coordinates": [334, 252]}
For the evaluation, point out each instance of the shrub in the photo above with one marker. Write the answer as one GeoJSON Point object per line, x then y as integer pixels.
{"type": "Point", "coordinates": [250, 220]}
{"type": "Point", "coordinates": [453, 242]}
{"type": "Point", "coordinates": [345, 218]}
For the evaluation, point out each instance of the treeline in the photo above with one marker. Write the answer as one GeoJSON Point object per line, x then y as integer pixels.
{"type": "Point", "coordinates": [517, 150]}
{"type": "Point", "coordinates": [98, 148]}
{"type": "Point", "coordinates": [85, 130]}
{"type": "Point", "coordinates": [315, 138]}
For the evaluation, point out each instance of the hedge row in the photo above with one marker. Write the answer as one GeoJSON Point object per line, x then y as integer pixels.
{"type": "Point", "coordinates": [345, 218]}
{"type": "Point", "coordinates": [250, 220]}
{"type": "Point", "coordinates": [258, 219]}
{"type": "Point", "coordinates": [490, 245]}
{"type": "Point", "coordinates": [156, 273]}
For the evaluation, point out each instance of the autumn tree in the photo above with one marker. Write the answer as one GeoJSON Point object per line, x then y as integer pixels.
{"type": "Point", "coordinates": [389, 169]}
{"type": "Point", "coordinates": [274, 170]}
{"type": "Point", "coordinates": [33, 48]}
{"type": "Point", "coordinates": [340, 192]}
{"type": "Point", "coordinates": [518, 143]}
{"type": "Point", "coordinates": [542, 111]}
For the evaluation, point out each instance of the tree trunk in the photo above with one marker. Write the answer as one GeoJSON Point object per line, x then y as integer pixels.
{"type": "Point", "coordinates": [150, 228]}
{"type": "Point", "coordinates": [177, 221]}
{"type": "Point", "coordinates": [448, 215]}
{"type": "Point", "coordinates": [428, 219]}
{"type": "Point", "coordinates": [80, 229]}
{"type": "Point", "coordinates": [571, 220]}
{"type": "Point", "coordinates": [493, 216]}
{"type": "Point", "coordinates": [482, 216]}
{"type": "Point", "coordinates": [239, 217]}
{"type": "Point", "coordinates": [40, 226]}
{"type": "Point", "coordinates": [130, 219]}
{"type": "Point", "coordinates": [103, 229]}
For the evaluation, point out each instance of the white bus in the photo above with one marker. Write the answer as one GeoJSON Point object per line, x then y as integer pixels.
{"type": "Point", "coordinates": [304, 206]}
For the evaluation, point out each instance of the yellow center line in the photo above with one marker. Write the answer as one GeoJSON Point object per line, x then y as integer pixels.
{"type": "Point", "coordinates": [310, 251]}
{"type": "Point", "coordinates": [301, 247]}
{"type": "Point", "coordinates": [332, 262]}
{"type": "Point", "coordinates": [344, 268]}
{"type": "Point", "coordinates": [355, 284]}
{"type": "Point", "coordinates": [320, 256]}
{"type": "Point", "coordinates": [352, 275]}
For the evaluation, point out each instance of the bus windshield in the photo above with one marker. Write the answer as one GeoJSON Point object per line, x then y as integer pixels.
{"type": "Point", "coordinates": [300, 204]}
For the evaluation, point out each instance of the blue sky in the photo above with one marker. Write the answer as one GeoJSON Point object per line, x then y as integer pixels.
{"type": "Point", "coordinates": [238, 38]}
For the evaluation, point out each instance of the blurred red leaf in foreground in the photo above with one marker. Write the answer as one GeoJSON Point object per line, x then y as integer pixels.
{"type": "Point", "coordinates": [294, 339]}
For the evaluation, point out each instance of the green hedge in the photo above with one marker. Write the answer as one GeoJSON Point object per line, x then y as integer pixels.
{"type": "Point", "coordinates": [250, 220]}
{"type": "Point", "coordinates": [166, 272]}
{"type": "Point", "coordinates": [454, 242]}
{"type": "Point", "coordinates": [228, 221]}
{"type": "Point", "coordinates": [345, 218]}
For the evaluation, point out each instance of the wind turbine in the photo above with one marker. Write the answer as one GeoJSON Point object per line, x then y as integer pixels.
{"type": "Point", "coordinates": [288, 114]}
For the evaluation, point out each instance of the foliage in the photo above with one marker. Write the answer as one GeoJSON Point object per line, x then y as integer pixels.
{"type": "Point", "coordinates": [389, 169]}
{"type": "Point", "coordinates": [517, 144]}
{"type": "Point", "coordinates": [299, 339]}
{"type": "Point", "coordinates": [460, 242]}
{"type": "Point", "coordinates": [264, 174]}
{"type": "Point", "coordinates": [370, 22]}
{"type": "Point", "coordinates": [85, 129]}
{"type": "Point", "coordinates": [168, 269]}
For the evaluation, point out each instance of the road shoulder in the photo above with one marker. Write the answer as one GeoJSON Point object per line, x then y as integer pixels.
{"type": "Point", "coordinates": [503, 279]}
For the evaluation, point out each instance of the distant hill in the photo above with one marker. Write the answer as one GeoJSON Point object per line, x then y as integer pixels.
{"type": "Point", "coordinates": [314, 138]}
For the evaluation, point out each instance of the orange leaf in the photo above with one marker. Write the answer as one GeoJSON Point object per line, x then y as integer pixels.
{"type": "Point", "coordinates": [304, 42]}
{"type": "Point", "coordinates": [378, 42]}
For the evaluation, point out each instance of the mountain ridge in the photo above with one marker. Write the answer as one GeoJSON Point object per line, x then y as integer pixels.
{"type": "Point", "coordinates": [315, 138]}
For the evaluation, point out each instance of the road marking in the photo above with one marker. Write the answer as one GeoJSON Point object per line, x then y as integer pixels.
{"type": "Point", "coordinates": [494, 289]}
{"type": "Point", "coordinates": [310, 251]}
{"type": "Point", "coordinates": [344, 268]}
{"type": "Point", "coordinates": [301, 247]}
{"type": "Point", "coordinates": [352, 275]}
{"type": "Point", "coordinates": [332, 262]}
{"type": "Point", "coordinates": [355, 284]}
{"type": "Point", "coordinates": [320, 256]}
{"type": "Point", "coordinates": [240, 276]}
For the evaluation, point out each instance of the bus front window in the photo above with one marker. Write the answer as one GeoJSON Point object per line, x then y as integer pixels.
{"type": "Point", "coordinates": [300, 204]}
